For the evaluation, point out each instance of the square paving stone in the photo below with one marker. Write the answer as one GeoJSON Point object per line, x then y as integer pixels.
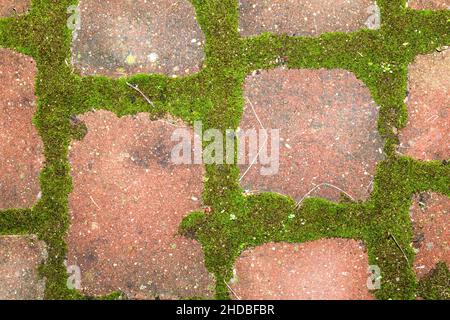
{"type": "Point", "coordinates": [429, 4]}
{"type": "Point", "coordinates": [430, 214]}
{"type": "Point", "coordinates": [118, 38]}
{"type": "Point", "coordinates": [306, 17]}
{"type": "Point", "coordinates": [21, 147]}
{"type": "Point", "coordinates": [126, 207]}
{"type": "Point", "coordinates": [427, 134]}
{"type": "Point", "coordinates": [10, 8]}
{"type": "Point", "coordinates": [20, 258]}
{"type": "Point", "coordinates": [330, 269]}
{"type": "Point", "coordinates": [329, 143]}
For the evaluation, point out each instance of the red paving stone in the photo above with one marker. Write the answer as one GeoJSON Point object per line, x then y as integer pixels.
{"type": "Point", "coordinates": [427, 134]}
{"type": "Point", "coordinates": [429, 4]}
{"type": "Point", "coordinates": [127, 204]}
{"type": "Point", "coordinates": [329, 269]}
{"type": "Point", "coordinates": [126, 37]}
{"type": "Point", "coordinates": [20, 257]}
{"type": "Point", "coordinates": [430, 214]}
{"type": "Point", "coordinates": [20, 145]}
{"type": "Point", "coordinates": [328, 131]}
{"type": "Point", "coordinates": [11, 7]}
{"type": "Point", "coordinates": [304, 17]}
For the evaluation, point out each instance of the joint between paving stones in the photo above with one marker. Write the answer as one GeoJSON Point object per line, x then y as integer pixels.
{"type": "Point", "coordinates": [229, 58]}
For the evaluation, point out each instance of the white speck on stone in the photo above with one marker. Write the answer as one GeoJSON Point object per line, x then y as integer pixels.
{"type": "Point", "coordinates": [153, 57]}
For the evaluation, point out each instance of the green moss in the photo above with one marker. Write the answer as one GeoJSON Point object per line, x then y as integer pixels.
{"type": "Point", "coordinates": [215, 95]}
{"type": "Point", "coordinates": [436, 285]}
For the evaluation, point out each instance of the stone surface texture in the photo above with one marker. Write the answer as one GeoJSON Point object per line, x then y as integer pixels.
{"type": "Point", "coordinates": [21, 148]}
{"type": "Point", "coordinates": [306, 17]}
{"type": "Point", "coordinates": [118, 38]}
{"type": "Point", "coordinates": [429, 4]}
{"type": "Point", "coordinates": [430, 214]}
{"type": "Point", "coordinates": [9, 8]}
{"type": "Point", "coordinates": [126, 207]}
{"type": "Point", "coordinates": [329, 269]}
{"type": "Point", "coordinates": [427, 134]}
{"type": "Point", "coordinates": [328, 131]}
{"type": "Point", "coordinates": [20, 257]}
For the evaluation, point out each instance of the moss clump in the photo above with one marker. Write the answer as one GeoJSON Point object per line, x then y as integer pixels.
{"type": "Point", "coordinates": [436, 285]}
{"type": "Point", "coordinates": [215, 96]}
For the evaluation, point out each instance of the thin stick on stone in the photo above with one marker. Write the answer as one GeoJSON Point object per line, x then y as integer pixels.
{"type": "Point", "coordinates": [262, 146]}
{"type": "Point", "coordinates": [398, 245]}
{"type": "Point", "coordinates": [321, 185]}
{"type": "Point", "coordinates": [93, 201]}
{"type": "Point", "coordinates": [135, 87]}
{"type": "Point", "coordinates": [232, 291]}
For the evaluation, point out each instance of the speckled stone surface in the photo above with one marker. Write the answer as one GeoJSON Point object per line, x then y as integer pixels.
{"type": "Point", "coordinates": [126, 207]}
{"type": "Point", "coordinates": [429, 4]}
{"type": "Point", "coordinates": [10, 8]}
{"type": "Point", "coordinates": [430, 214]}
{"type": "Point", "coordinates": [20, 257]}
{"type": "Point", "coordinates": [427, 133]}
{"type": "Point", "coordinates": [118, 38]}
{"type": "Point", "coordinates": [21, 147]}
{"type": "Point", "coordinates": [329, 269]}
{"type": "Point", "coordinates": [328, 131]}
{"type": "Point", "coordinates": [306, 17]}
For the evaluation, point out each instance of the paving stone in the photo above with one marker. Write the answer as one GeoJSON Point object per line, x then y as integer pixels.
{"type": "Point", "coordinates": [126, 207]}
{"type": "Point", "coordinates": [430, 214]}
{"type": "Point", "coordinates": [20, 258]}
{"type": "Point", "coordinates": [427, 134]}
{"type": "Point", "coordinates": [20, 145]}
{"type": "Point", "coordinates": [429, 4]}
{"type": "Point", "coordinates": [11, 7]}
{"type": "Point", "coordinates": [306, 17]}
{"type": "Point", "coordinates": [329, 269]}
{"type": "Point", "coordinates": [328, 132]}
{"type": "Point", "coordinates": [119, 37]}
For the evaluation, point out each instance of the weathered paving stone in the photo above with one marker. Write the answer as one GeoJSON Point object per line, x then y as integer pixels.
{"type": "Point", "coordinates": [429, 4]}
{"type": "Point", "coordinates": [11, 7]}
{"type": "Point", "coordinates": [306, 17]}
{"type": "Point", "coordinates": [119, 37]}
{"type": "Point", "coordinates": [328, 133]}
{"type": "Point", "coordinates": [331, 269]}
{"type": "Point", "coordinates": [20, 145]}
{"type": "Point", "coordinates": [126, 207]}
{"type": "Point", "coordinates": [430, 214]}
{"type": "Point", "coordinates": [427, 134]}
{"type": "Point", "coordinates": [20, 257]}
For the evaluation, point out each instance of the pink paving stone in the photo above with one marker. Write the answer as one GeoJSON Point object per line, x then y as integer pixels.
{"type": "Point", "coordinates": [429, 4]}
{"type": "Point", "coordinates": [11, 7]}
{"type": "Point", "coordinates": [20, 145]}
{"type": "Point", "coordinates": [328, 132]}
{"type": "Point", "coordinates": [20, 257]}
{"type": "Point", "coordinates": [306, 17]}
{"type": "Point", "coordinates": [329, 269]}
{"type": "Point", "coordinates": [427, 134]}
{"type": "Point", "coordinates": [430, 214]}
{"type": "Point", "coordinates": [125, 37]}
{"type": "Point", "coordinates": [126, 207]}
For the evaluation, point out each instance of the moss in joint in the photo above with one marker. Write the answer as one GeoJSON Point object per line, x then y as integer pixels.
{"type": "Point", "coordinates": [215, 95]}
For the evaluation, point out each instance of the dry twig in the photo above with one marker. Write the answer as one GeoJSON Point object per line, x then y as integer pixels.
{"type": "Point", "coordinates": [232, 291]}
{"type": "Point", "coordinates": [135, 87]}
{"type": "Point", "coordinates": [262, 146]}
{"type": "Point", "coordinates": [398, 245]}
{"type": "Point", "coordinates": [321, 185]}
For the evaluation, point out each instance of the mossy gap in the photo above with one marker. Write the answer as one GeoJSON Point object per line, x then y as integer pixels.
{"type": "Point", "coordinates": [215, 96]}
